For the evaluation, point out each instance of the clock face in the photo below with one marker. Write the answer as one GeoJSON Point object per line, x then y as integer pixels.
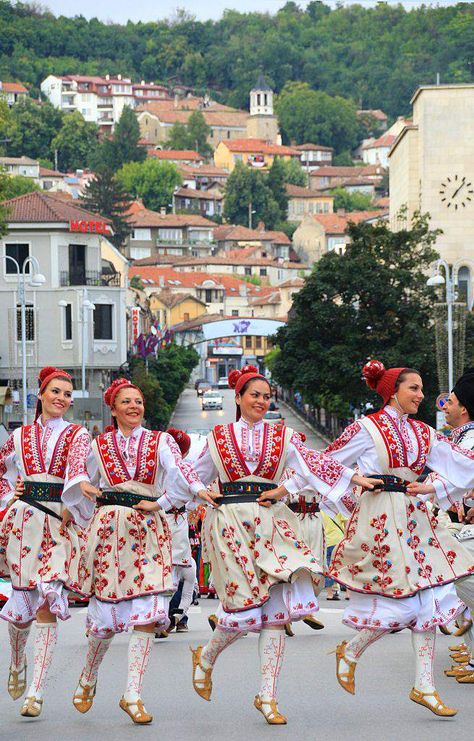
{"type": "Point", "coordinates": [456, 192]}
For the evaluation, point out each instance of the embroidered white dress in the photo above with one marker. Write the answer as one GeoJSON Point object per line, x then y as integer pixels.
{"type": "Point", "coordinates": [42, 564]}
{"type": "Point", "coordinates": [263, 572]}
{"type": "Point", "coordinates": [399, 564]}
{"type": "Point", "coordinates": [128, 556]}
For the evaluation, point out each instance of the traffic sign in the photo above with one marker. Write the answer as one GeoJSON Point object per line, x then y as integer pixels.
{"type": "Point", "coordinates": [441, 401]}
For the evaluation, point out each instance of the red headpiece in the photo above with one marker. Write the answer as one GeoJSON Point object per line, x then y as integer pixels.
{"type": "Point", "coordinates": [381, 380]}
{"type": "Point", "coordinates": [45, 376]}
{"type": "Point", "coordinates": [182, 438]}
{"type": "Point", "coordinates": [238, 378]}
{"type": "Point", "coordinates": [115, 387]}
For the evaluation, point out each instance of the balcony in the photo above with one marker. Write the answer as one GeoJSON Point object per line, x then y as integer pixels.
{"type": "Point", "coordinates": [89, 278]}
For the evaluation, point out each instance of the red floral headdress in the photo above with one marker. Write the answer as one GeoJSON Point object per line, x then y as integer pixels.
{"type": "Point", "coordinates": [115, 387]}
{"type": "Point", "coordinates": [238, 378]}
{"type": "Point", "coordinates": [381, 380]}
{"type": "Point", "coordinates": [182, 438]}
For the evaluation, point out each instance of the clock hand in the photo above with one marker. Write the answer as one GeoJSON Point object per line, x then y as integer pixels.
{"type": "Point", "coordinates": [457, 191]}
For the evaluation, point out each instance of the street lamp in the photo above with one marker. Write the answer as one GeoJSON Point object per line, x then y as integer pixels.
{"type": "Point", "coordinates": [436, 281]}
{"type": "Point", "coordinates": [37, 279]}
{"type": "Point", "coordinates": [85, 307]}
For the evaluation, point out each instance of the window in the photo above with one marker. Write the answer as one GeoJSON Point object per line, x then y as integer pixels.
{"type": "Point", "coordinates": [263, 271]}
{"type": "Point", "coordinates": [29, 322]}
{"type": "Point", "coordinates": [248, 342]}
{"type": "Point", "coordinates": [171, 235]}
{"type": "Point", "coordinates": [186, 316]}
{"type": "Point", "coordinates": [208, 298]}
{"type": "Point", "coordinates": [258, 342]}
{"type": "Point", "coordinates": [68, 322]}
{"type": "Point", "coordinates": [19, 252]}
{"type": "Point", "coordinates": [247, 271]}
{"type": "Point", "coordinates": [143, 234]}
{"type": "Point", "coordinates": [103, 322]}
{"type": "Point", "coordinates": [235, 312]}
{"type": "Point", "coordinates": [228, 134]}
{"type": "Point", "coordinates": [77, 265]}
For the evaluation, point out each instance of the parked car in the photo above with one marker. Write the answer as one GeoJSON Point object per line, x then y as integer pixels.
{"type": "Point", "coordinates": [274, 417]}
{"type": "Point", "coordinates": [223, 383]}
{"type": "Point", "coordinates": [202, 387]}
{"type": "Point", "coordinates": [212, 400]}
{"type": "Point", "coordinates": [197, 382]}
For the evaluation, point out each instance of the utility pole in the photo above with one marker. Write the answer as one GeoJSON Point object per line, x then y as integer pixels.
{"type": "Point", "coordinates": [250, 215]}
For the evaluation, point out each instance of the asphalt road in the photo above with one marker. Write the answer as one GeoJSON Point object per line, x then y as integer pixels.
{"type": "Point", "coordinates": [316, 706]}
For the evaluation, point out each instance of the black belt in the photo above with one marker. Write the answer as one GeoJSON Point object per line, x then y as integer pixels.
{"type": "Point", "coordinates": [304, 508]}
{"type": "Point", "coordinates": [238, 492]}
{"type": "Point", "coordinates": [121, 499]}
{"type": "Point", "coordinates": [177, 511]}
{"type": "Point", "coordinates": [37, 492]}
{"type": "Point", "coordinates": [390, 483]}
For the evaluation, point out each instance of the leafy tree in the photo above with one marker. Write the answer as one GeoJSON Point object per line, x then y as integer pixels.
{"type": "Point", "coordinates": [246, 191]}
{"type": "Point", "coordinates": [294, 173]}
{"type": "Point", "coordinates": [12, 186]}
{"type": "Point", "coordinates": [178, 137]}
{"type": "Point", "coordinates": [106, 195]}
{"type": "Point", "coordinates": [157, 410]}
{"type": "Point", "coordinates": [313, 115]}
{"type": "Point", "coordinates": [275, 180]}
{"type": "Point", "coordinates": [371, 302]}
{"type": "Point", "coordinates": [198, 133]}
{"type": "Point", "coordinates": [75, 142]}
{"type": "Point", "coordinates": [344, 159]}
{"type": "Point", "coordinates": [152, 181]}
{"type": "Point", "coordinates": [344, 199]}
{"type": "Point", "coordinates": [30, 129]}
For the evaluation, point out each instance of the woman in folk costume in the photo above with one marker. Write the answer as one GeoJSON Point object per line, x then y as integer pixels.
{"type": "Point", "coordinates": [398, 564]}
{"type": "Point", "coordinates": [184, 565]}
{"type": "Point", "coordinates": [39, 545]}
{"type": "Point", "coordinates": [264, 574]}
{"type": "Point", "coordinates": [128, 556]}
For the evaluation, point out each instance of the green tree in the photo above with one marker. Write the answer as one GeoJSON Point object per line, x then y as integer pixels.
{"type": "Point", "coordinates": [344, 159]}
{"type": "Point", "coordinates": [152, 181]}
{"type": "Point", "coordinates": [294, 173]}
{"type": "Point", "coordinates": [12, 186]}
{"type": "Point", "coordinates": [178, 137]}
{"type": "Point", "coordinates": [106, 195]}
{"type": "Point", "coordinates": [275, 180]}
{"type": "Point", "coordinates": [75, 142]}
{"type": "Point", "coordinates": [344, 199]}
{"type": "Point", "coordinates": [198, 133]}
{"type": "Point", "coordinates": [371, 302]}
{"type": "Point", "coordinates": [247, 193]}
{"type": "Point", "coordinates": [123, 147]}
{"type": "Point", "coordinates": [30, 129]}
{"type": "Point", "coordinates": [313, 115]}
{"type": "Point", "coordinates": [157, 410]}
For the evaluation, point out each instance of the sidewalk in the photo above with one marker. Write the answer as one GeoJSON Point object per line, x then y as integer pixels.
{"type": "Point", "coordinates": [297, 422]}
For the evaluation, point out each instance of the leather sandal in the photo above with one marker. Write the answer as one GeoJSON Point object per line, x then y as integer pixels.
{"type": "Point", "coordinates": [32, 707]}
{"type": "Point", "coordinates": [17, 682]}
{"type": "Point", "coordinates": [84, 696]}
{"type": "Point", "coordinates": [458, 670]}
{"type": "Point", "coordinates": [439, 709]}
{"type": "Point", "coordinates": [140, 716]}
{"type": "Point", "coordinates": [203, 685]}
{"type": "Point", "coordinates": [272, 716]}
{"type": "Point", "coordinates": [460, 647]}
{"type": "Point", "coordinates": [466, 677]}
{"type": "Point", "coordinates": [313, 623]}
{"type": "Point", "coordinates": [461, 658]}
{"type": "Point", "coordinates": [213, 620]}
{"type": "Point", "coordinates": [467, 625]}
{"type": "Point", "coordinates": [346, 679]}
{"type": "Point", "coordinates": [288, 630]}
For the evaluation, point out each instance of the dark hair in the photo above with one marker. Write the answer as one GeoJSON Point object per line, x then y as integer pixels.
{"type": "Point", "coordinates": [404, 374]}
{"type": "Point", "coordinates": [251, 380]}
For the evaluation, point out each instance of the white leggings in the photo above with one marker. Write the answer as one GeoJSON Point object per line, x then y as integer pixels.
{"type": "Point", "coordinates": [188, 575]}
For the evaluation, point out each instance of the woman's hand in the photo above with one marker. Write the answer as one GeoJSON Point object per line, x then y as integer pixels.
{"type": "Point", "coordinates": [209, 497]}
{"type": "Point", "coordinates": [146, 506]}
{"type": "Point", "coordinates": [19, 488]}
{"type": "Point", "coordinates": [267, 498]}
{"type": "Point", "coordinates": [66, 520]}
{"type": "Point", "coordinates": [373, 485]}
{"type": "Point", "coordinates": [88, 491]}
{"type": "Point", "coordinates": [418, 488]}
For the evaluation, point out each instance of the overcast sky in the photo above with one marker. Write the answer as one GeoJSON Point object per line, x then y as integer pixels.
{"type": "Point", "coordinates": [149, 10]}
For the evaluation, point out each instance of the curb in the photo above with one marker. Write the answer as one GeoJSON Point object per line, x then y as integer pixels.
{"type": "Point", "coordinates": [305, 422]}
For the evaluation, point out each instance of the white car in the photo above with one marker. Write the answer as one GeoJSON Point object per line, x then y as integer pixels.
{"type": "Point", "coordinates": [223, 382]}
{"type": "Point", "coordinates": [212, 400]}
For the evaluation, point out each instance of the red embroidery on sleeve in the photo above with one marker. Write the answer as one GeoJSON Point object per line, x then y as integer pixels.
{"type": "Point", "coordinates": [345, 438]}
{"type": "Point", "coordinates": [7, 449]}
{"type": "Point", "coordinates": [323, 466]}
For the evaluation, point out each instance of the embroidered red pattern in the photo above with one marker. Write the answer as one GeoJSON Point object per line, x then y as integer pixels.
{"type": "Point", "coordinates": [233, 461]}
{"type": "Point", "coordinates": [345, 438]}
{"type": "Point", "coordinates": [395, 445]}
{"type": "Point", "coordinates": [59, 458]}
{"type": "Point", "coordinates": [114, 465]}
{"type": "Point", "coordinates": [32, 455]}
{"type": "Point", "coordinates": [7, 450]}
{"type": "Point", "coordinates": [327, 469]}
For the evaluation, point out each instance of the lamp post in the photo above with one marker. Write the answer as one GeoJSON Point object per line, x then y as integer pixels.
{"type": "Point", "coordinates": [85, 306]}
{"type": "Point", "coordinates": [37, 279]}
{"type": "Point", "coordinates": [435, 281]}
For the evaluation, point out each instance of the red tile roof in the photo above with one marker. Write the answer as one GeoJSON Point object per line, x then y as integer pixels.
{"type": "Point", "coordinates": [43, 207]}
{"type": "Point", "coordinates": [259, 146]}
{"type": "Point", "coordinates": [169, 278]}
{"type": "Point", "coordinates": [170, 299]}
{"type": "Point", "coordinates": [374, 112]}
{"type": "Point", "coordinates": [144, 217]}
{"type": "Point", "coordinates": [338, 223]}
{"type": "Point", "coordinates": [313, 148]}
{"type": "Point", "coordinates": [12, 87]}
{"type": "Point", "coordinates": [204, 171]}
{"type": "Point", "coordinates": [236, 233]}
{"type": "Point", "coordinates": [296, 191]}
{"type": "Point", "coordinates": [333, 171]}
{"type": "Point", "coordinates": [188, 155]}
{"type": "Point", "coordinates": [384, 141]}
{"type": "Point", "coordinates": [45, 172]}
{"type": "Point", "coordinates": [198, 194]}
{"type": "Point", "coordinates": [292, 283]}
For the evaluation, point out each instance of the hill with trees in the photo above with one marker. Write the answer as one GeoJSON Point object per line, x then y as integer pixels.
{"type": "Point", "coordinates": [374, 57]}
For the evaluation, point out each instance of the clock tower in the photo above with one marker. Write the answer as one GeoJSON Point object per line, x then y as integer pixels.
{"type": "Point", "coordinates": [432, 171]}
